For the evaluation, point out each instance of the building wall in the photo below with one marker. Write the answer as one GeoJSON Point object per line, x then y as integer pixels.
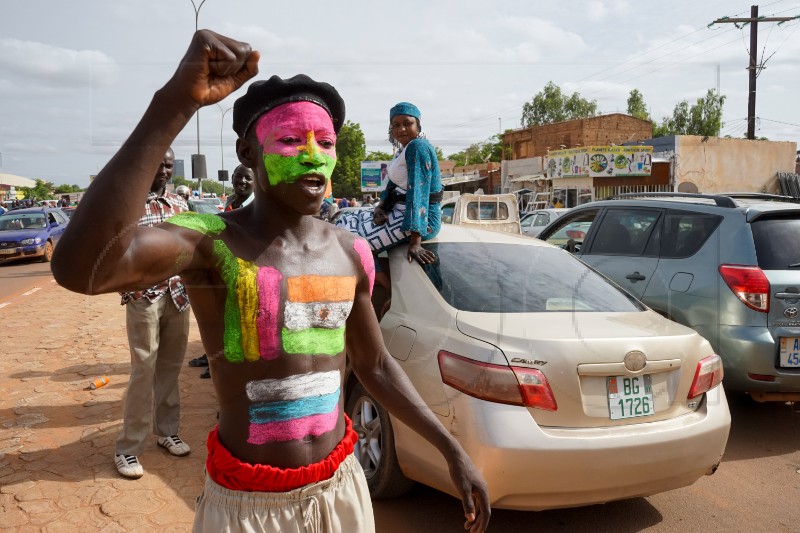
{"type": "Point", "coordinates": [511, 169]}
{"type": "Point", "coordinates": [732, 165]}
{"type": "Point", "coordinates": [616, 128]}
{"type": "Point", "coordinates": [447, 167]}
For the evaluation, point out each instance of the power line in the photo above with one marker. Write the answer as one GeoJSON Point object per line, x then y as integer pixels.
{"type": "Point", "coordinates": [753, 67]}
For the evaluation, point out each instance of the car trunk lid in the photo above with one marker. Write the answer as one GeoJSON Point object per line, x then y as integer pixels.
{"type": "Point", "coordinates": [582, 356]}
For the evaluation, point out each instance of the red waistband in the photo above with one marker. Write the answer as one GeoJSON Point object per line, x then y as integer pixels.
{"type": "Point", "coordinates": [231, 473]}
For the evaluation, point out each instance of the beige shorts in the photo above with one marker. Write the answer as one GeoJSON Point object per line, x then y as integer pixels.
{"type": "Point", "coordinates": [339, 504]}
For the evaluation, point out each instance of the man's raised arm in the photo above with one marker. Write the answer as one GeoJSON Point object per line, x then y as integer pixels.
{"type": "Point", "coordinates": [103, 249]}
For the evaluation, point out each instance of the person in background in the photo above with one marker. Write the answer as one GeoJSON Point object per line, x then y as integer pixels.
{"type": "Point", "coordinates": [409, 209]}
{"type": "Point", "coordinates": [184, 192]}
{"type": "Point", "coordinates": [157, 321]}
{"type": "Point", "coordinates": [243, 185]}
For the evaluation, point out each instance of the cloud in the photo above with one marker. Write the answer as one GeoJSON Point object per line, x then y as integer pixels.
{"type": "Point", "coordinates": [58, 66]}
{"type": "Point", "coordinates": [596, 10]}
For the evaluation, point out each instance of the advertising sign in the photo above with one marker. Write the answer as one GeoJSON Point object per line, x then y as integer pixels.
{"type": "Point", "coordinates": [374, 175]}
{"type": "Point", "coordinates": [600, 161]}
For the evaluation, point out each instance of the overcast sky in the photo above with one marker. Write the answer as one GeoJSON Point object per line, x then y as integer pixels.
{"type": "Point", "coordinates": [76, 76]}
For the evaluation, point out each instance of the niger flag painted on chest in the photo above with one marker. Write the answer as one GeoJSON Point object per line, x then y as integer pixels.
{"type": "Point", "coordinates": [315, 312]}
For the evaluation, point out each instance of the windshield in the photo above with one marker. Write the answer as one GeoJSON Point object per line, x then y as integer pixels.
{"type": "Point", "coordinates": [510, 278]}
{"type": "Point", "coordinates": [16, 221]}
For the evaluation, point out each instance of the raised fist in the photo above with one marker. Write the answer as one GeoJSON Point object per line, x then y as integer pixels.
{"type": "Point", "coordinates": [214, 66]}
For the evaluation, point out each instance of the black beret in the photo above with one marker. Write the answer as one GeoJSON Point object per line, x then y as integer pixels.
{"type": "Point", "coordinates": [263, 95]}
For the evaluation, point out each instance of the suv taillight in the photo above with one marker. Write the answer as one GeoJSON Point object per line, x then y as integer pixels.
{"type": "Point", "coordinates": [511, 385]}
{"type": "Point", "coordinates": [707, 376]}
{"type": "Point", "coordinates": [749, 284]}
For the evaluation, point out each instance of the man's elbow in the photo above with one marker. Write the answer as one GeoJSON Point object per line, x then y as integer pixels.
{"type": "Point", "coordinates": [67, 274]}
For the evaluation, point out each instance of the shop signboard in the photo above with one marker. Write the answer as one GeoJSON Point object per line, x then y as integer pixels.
{"type": "Point", "coordinates": [599, 161]}
{"type": "Point", "coordinates": [374, 175]}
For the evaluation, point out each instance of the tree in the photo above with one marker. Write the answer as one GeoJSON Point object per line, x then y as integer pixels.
{"type": "Point", "coordinates": [477, 153]}
{"type": "Point", "coordinates": [551, 105]}
{"type": "Point", "coordinates": [351, 150]}
{"type": "Point", "coordinates": [703, 118]}
{"type": "Point", "coordinates": [65, 189]}
{"type": "Point", "coordinates": [636, 106]}
{"type": "Point", "coordinates": [379, 156]}
{"type": "Point", "coordinates": [42, 190]}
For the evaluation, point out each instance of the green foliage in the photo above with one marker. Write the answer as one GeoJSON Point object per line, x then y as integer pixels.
{"type": "Point", "coordinates": [636, 106]}
{"type": "Point", "coordinates": [66, 189]}
{"type": "Point", "coordinates": [551, 105]}
{"type": "Point", "coordinates": [702, 118]}
{"type": "Point", "coordinates": [475, 154]}
{"type": "Point", "coordinates": [378, 156]}
{"type": "Point", "coordinates": [351, 150]}
{"type": "Point", "coordinates": [43, 190]}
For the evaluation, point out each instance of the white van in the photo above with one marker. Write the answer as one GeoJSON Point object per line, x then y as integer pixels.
{"type": "Point", "coordinates": [494, 212]}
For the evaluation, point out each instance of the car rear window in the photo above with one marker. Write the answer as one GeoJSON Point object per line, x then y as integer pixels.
{"type": "Point", "coordinates": [510, 278]}
{"type": "Point", "coordinates": [777, 243]}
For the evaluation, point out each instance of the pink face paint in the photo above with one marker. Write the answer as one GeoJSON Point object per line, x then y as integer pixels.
{"type": "Point", "coordinates": [367, 260]}
{"type": "Point", "coordinates": [269, 294]}
{"type": "Point", "coordinates": [294, 429]}
{"type": "Point", "coordinates": [297, 127]}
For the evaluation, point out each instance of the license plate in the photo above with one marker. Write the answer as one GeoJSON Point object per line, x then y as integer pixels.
{"type": "Point", "coordinates": [8, 251]}
{"type": "Point", "coordinates": [790, 352]}
{"type": "Point", "coordinates": [630, 396]}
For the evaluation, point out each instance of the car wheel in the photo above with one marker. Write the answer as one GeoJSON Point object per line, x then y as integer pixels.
{"type": "Point", "coordinates": [374, 449]}
{"type": "Point", "coordinates": [48, 252]}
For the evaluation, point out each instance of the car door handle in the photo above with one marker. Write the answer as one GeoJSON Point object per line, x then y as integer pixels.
{"type": "Point", "coordinates": [635, 277]}
{"type": "Point", "coordinates": [788, 295]}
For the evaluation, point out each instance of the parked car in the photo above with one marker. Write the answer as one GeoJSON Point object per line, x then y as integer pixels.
{"type": "Point", "coordinates": [203, 206]}
{"type": "Point", "coordinates": [494, 212]}
{"type": "Point", "coordinates": [31, 232]}
{"type": "Point", "coordinates": [535, 221]}
{"type": "Point", "coordinates": [561, 387]}
{"type": "Point", "coordinates": [727, 266]}
{"type": "Point", "coordinates": [215, 201]}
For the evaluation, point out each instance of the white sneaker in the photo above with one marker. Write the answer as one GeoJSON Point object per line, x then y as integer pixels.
{"type": "Point", "coordinates": [129, 466]}
{"type": "Point", "coordinates": [174, 445]}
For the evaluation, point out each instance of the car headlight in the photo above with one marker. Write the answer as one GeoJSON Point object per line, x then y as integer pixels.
{"type": "Point", "coordinates": [26, 242]}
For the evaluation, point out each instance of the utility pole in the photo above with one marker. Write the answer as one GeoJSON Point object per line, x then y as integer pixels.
{"type": "Point", "coordinates": [753, 67]}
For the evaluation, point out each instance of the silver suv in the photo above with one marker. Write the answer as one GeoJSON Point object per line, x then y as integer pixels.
{"type": "Point", "coordinates": [727, 266]}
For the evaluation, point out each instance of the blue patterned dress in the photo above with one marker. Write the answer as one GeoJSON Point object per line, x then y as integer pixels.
{"type": "Point", "coordinates": [416, 213]}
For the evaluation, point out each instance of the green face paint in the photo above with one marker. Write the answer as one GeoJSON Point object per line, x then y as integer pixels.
{"type": "Point", "coordinates": [288, 169]}
{"type": "Point", "coordinates": [205, 224]}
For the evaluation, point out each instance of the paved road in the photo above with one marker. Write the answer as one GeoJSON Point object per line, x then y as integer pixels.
{"type": "Point", "coordinates": [56, 446]}
{"type": "Point", "coordinates": [20, 277]}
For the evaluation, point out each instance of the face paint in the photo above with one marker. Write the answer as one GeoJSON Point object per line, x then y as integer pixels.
{"type": "Point", "coordinates": [293, 408]}
{"type": "Point", "coordinates": [367, 260]}
{"type": "Point", "coordinates": [315, 313]}
{"type": "Point", "coordinates": [297, 139]}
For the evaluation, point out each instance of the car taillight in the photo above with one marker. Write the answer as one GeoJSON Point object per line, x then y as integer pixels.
{"type": "Point", "coordinates": [707, 376]}
{"type": "Point", "coordinates": [749, 284]}
{"type": "Point", "coordinates": [511, 385]}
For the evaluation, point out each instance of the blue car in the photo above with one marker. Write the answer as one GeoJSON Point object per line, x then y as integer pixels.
{"type": "Point", "coordinates": [32, 232]}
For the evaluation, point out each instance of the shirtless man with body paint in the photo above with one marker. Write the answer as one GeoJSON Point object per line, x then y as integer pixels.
{"type": "Point", "coordinates": [277, 295]}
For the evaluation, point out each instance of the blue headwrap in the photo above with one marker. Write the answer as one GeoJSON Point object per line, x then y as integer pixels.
{"type": "Point", "coordinates": [405, 108]}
